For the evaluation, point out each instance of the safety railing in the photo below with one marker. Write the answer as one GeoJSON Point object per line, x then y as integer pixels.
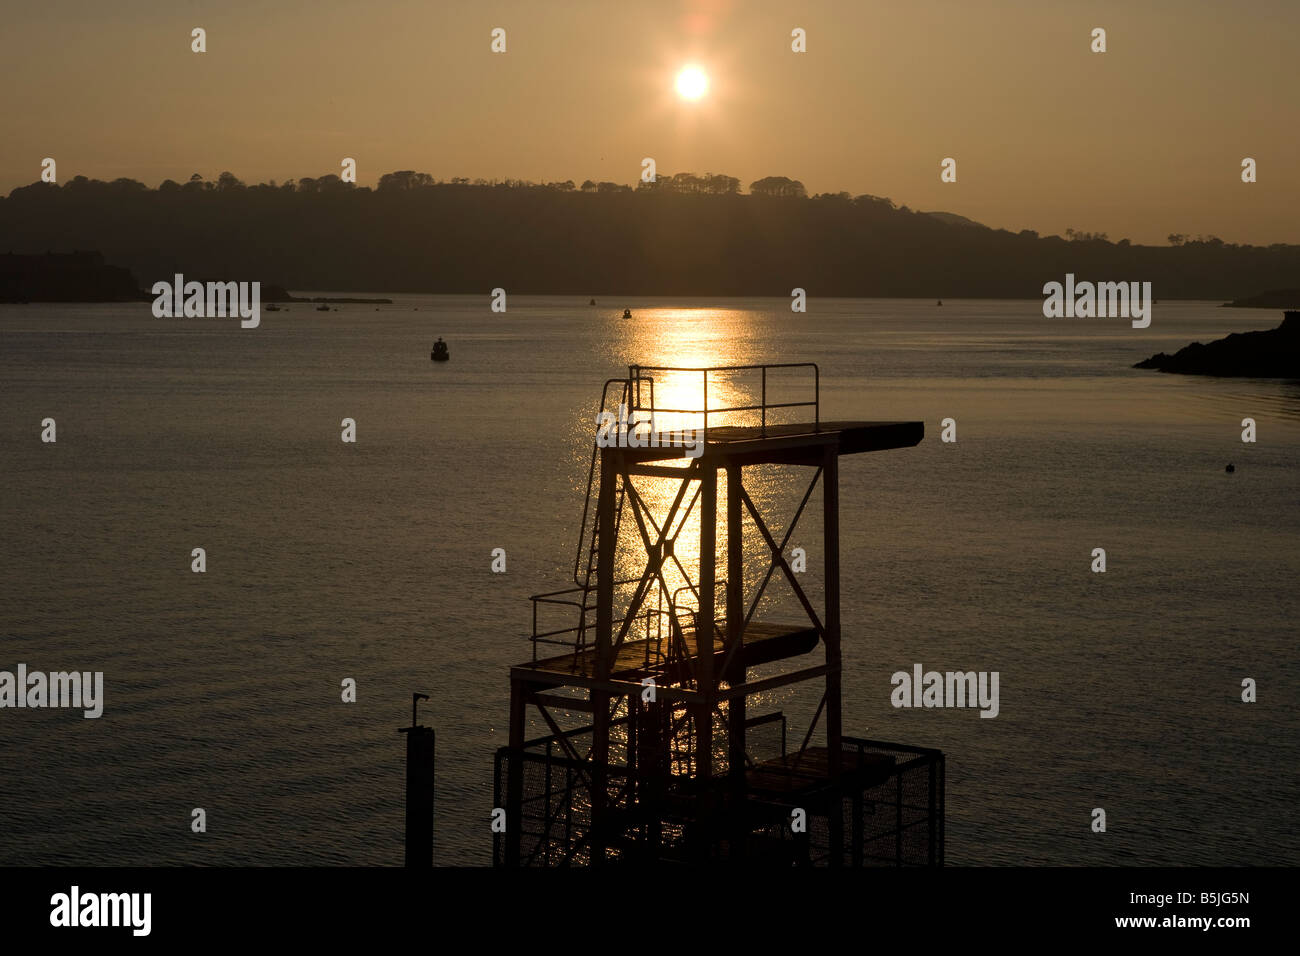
{"type": "Point", "coordinates": [646, 625]}
{"type": "Point", "coordinates": [644, 375]}
{"type": "Point", "coordinates": [681, 609]}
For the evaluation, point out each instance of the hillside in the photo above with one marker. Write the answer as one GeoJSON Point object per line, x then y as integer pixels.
{"type": "Point", "coordinates": [700, 237]}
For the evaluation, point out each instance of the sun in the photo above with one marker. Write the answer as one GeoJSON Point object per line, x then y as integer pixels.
{"type": "Point", "coordinates": [692, 83]}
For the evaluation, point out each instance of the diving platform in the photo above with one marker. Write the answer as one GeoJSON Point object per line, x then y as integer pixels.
{"type": "Point", "coordinates": [793, 443]}
{"type": "Point", "coordinates": [742, 428]}
{"type": "Point", "coordinates": [673, 766]}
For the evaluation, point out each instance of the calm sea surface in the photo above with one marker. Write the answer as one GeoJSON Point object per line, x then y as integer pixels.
{"type": "Point", "coordinates": [371, 561]}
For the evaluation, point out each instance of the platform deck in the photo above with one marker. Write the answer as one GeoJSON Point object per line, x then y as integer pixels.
{"type": "Point", "coordinates": [795, 775]}
{"type": "Point", "coordinates": [850, 438]}
{"type": "Point", "coordinates": [762, 643]}
{"type": "Point", "coordinates": [858, 436]}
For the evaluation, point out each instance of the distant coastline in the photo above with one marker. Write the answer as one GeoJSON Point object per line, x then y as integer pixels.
{"type": "Point", "coordinates": [684, 235]}
{"type": "Point", "coordinates": [84, 276]}
{"type": "Point", "coordinates": [1271, 353]}
{"type": "Point", "coordinates": [80, 276]}
{"type": "Point", "coordinates": [1276, 299]}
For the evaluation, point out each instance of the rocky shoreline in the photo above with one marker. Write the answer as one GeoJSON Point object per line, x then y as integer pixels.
{"type": "Point", "coordinates": [1271, 353]}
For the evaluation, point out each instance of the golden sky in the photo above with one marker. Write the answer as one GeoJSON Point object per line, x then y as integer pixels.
{"type": "Point", "coordinates": [1141, 141]}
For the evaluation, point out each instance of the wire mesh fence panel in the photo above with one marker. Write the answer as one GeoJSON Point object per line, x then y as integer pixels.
{"type": "Point", "coordinates": [895, 819]}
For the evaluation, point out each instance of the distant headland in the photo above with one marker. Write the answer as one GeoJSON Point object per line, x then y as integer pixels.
{"type": "Point", "coordinates": [1272, 353]}
{"type": "Point", "coordinates": [84, 276]}
{"type": "Point", "coordinates": [1276, 299]}
{"type": "Point", "coordinates": [79, 276]}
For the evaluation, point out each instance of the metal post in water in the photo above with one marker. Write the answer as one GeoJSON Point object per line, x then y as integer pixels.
{"type": "Point", "coordinates": [419, 788]}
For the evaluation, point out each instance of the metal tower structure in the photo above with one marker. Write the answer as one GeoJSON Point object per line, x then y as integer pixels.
{"type": "Point", "coordinates": [666, 661]}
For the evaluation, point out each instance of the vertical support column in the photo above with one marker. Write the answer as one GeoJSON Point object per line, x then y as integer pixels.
{"type": "Point", "coordinates": [633, 750]}
{"type": "Point", "coordinates": [735, 620]}
{"type": "Point", "coordinates": [419, 796]}
{"type": "Point", "coordinates": [834, 744]}
{"type": "Point", "coordinates": [933, 825]}
{"type": "Point", "coordinates": [610, 465]}
{"type": "Point", "coordinates": [736, 710]}
{"type": "Point", "coordinates": [704, 630]}
{"type": "Point", "coordinates": [652, 771]}
{"type": "Point", "coordinates": [857, 807]}
{"type": "Point", "coordinates": [705, 682]}
{"type": "Point", "coordinates": [515, 771]}
{"type": "Point", "coordinates": [609, 468]}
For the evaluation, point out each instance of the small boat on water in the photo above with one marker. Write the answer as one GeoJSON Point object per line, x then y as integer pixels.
{"type": "Point", "coordinates": [440, 352]}
{"type": "Point", "coordinates": [272, 308]}
{"type": "Point", "coordinates": [627, 313]}
{"type": "Point", "coordinates": [940, 302]}
{"type": "Point", "coordinates": [322, 307]}
{"type": "Point", "coordinates": [592, 302]}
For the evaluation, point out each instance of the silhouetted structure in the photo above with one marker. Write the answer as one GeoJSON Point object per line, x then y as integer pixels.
{"type": "Point", "coordinates": [420, 763]}
{"type": "Point", "coordinates": [672, 766]}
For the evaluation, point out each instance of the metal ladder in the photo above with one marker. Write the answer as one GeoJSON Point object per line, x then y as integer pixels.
{"type": "Point", "coordinates": [584, 575]}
